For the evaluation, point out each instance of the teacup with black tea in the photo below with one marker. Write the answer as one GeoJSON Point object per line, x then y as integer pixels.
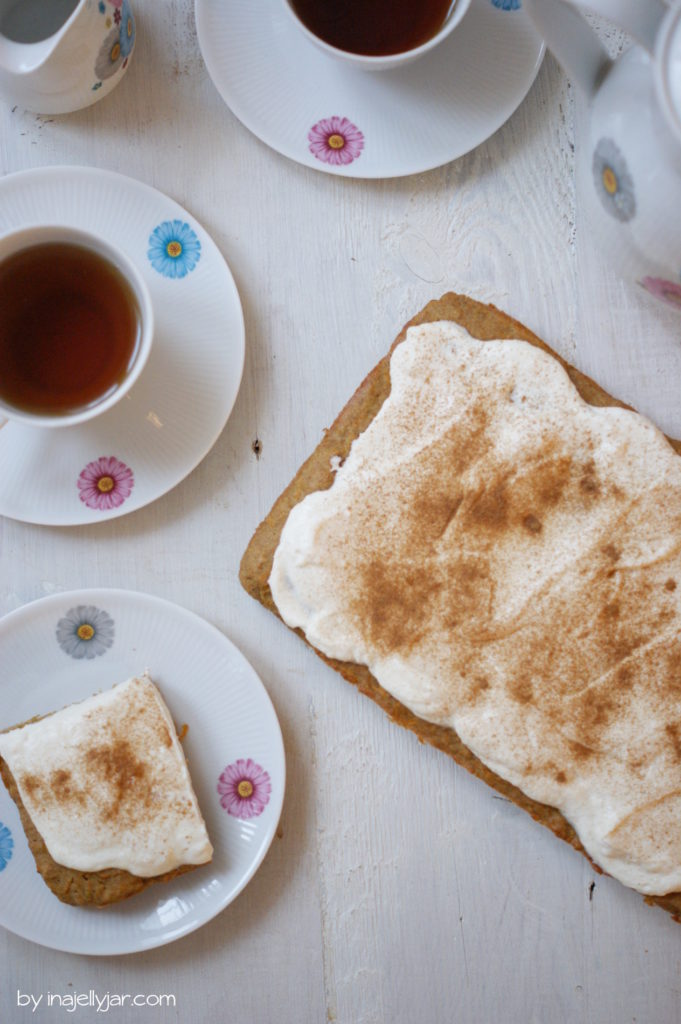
{"type": "Point", "coordinates": [75, 326]}
{"type": "Point", "coordinates": [376, 28]}
{"type": "Point", "coordinates": [377, 34]}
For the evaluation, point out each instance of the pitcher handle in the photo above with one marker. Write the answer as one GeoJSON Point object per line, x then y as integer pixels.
{"type": "Point", "coordinates": [571, 40]}
{"type": "Point", "coordinates": [639, 18]}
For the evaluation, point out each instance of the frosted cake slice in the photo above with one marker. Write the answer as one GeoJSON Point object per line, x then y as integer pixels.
{"type": "Point", "coordinates": [105, 795]}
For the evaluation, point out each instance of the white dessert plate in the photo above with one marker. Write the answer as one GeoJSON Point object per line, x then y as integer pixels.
{"type": "Point", "coordinates": [233, 734]}
{"type": "Point", "coordinates": [174, 414]}
{"type": "Point", "coordinates": [381, 124]}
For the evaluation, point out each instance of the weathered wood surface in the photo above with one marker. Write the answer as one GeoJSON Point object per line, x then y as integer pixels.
{"type": "Point", "coordinates": [400, 889]}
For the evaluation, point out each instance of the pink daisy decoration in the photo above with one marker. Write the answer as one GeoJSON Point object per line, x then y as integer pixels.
{"type": "Point", "coordinates": [335, 140]}
{"type": "Point", "coordinates": [668, 291]}
{"type": "Point", "coordinates": [244, 789]}
{"type": "Point", "coordinates": [105, 483]}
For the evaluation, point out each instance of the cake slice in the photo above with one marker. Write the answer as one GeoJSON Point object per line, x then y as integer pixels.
{"type": "Point", "coordinates": [513, 596]}
{"type": "Point", "coordinates": [104, 794]}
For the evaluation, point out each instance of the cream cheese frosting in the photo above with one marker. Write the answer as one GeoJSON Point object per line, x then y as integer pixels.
{"type": "Point", "coordinates": [506, 560]}
{"type": "Point", "coordinates": [106, 783]}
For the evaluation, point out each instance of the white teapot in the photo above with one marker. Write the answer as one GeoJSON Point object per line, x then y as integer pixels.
{"type": "Point", "coordinates": [60, 55]}
{"type": "Point", "coordinates": [629, 167]}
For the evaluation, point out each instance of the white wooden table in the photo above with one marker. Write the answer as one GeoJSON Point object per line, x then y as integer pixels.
{"type": "Point", "coordinates": [398, 889]}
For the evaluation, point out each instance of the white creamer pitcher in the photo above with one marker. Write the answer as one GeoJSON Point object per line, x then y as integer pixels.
{"type": "Point", "coordinates": [629, 173]}
{"type": "Point", "coordinates": [57, 56]}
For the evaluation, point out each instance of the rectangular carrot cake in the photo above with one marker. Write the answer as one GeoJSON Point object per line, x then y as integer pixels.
{"type": "Point", "coordinates": [487, 544]}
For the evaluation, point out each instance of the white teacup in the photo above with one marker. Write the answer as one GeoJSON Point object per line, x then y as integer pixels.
{"type": "Point", "coordinates": [125, 281]}
{"type": "Point", "coordinates": [366, 62]}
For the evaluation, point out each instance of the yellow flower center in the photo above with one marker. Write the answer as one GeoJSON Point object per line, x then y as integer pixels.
{"type": "Point", "coordinates": [174, 249]}
{"type": "Point", "coordinates": [245, 789]}
{"type": "Point", "coordinates": [128, 28]}
{"type": "Point", "coordinates": [115, 52]}
{"type": "Point", "coordinates": [336, 141]}
{"type": "Point", "coordinates": [85, 632]}
{"type": "Point", "coordinates": [609, 181]}
{"type": "Point", "coordinates": [105, 484]}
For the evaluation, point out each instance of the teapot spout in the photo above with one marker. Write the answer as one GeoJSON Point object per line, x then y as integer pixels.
{"type": "Point", "coordinates": [639, 18]}
{"type": "Point", "coordinates": [572, 42]}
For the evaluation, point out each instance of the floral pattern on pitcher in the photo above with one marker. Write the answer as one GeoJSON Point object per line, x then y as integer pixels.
{"type": "Point", "coordinates": [335, 140]}
{"type": "Point", "coordinates": [507, 5]}
{"type": "Point", "coordinates": [118, 43]}
{"type": "Point", "coordinates": [127, 28]}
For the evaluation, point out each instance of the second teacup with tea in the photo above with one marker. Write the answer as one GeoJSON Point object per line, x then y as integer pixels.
{"type": "Point", "coordinates": [377, 34]}
{"type": "Point", "coordinates": [76, 326]}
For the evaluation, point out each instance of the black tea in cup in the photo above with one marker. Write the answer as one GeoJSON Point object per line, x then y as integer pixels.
{"type": "Point", "coordinates": [70, 328]}
{"type": "Point", "coordinates": [377, 28]}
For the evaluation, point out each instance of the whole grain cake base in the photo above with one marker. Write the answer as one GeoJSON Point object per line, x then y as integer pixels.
{"type": "Point", "coordinates": [484, 322]}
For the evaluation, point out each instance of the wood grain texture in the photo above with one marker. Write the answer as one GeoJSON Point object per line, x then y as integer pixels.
{"type": "Point", "coordinates": [401, 889]}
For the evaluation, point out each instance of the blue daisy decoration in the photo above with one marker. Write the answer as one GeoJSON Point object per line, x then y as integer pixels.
{"type": "Point", "coordinates": [85, 632]}
{"type": "Point", "coordinates": [174, 249]}
{"type": "Point", "coordinates": [508, 5]}
{"type": "Point", "coordinates": [127, 34]}
{"type": "Point", "coordinates": [6, 846]}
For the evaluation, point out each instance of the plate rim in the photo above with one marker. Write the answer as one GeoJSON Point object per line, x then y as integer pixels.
{"type": "Point", "coordinates": [85, 595]}
{"type": "Point", "coordinates": [200, 7]}
{"type": "Point", "coordinates": [126, 179]}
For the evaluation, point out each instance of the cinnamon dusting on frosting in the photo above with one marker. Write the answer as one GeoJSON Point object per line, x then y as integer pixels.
{"type": "Point", "coordinates": [490, 526]}
{"type": "Point", "coordinates": [122, 776]}
{"type": "Point", "coordinates": [106, 785]}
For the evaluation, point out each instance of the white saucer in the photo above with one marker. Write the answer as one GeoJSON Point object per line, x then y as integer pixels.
{"type": "Point", "coordinates": [414, 118]}
{"type": "Point", "coordinates": [232, 728]}
{"type": "Point", "coordinates": [172, 417]}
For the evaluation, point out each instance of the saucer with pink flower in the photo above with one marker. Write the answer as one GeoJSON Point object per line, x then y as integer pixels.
{"type": "Point", "coordinates": [336, 116]}
{"type": "Point", "coordinates": [139, 449]}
